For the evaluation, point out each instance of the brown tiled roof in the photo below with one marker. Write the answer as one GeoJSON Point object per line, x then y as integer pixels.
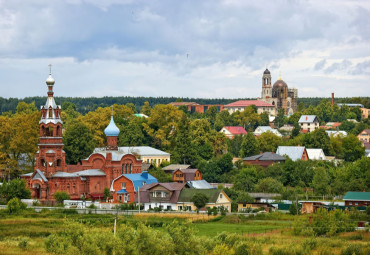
{"type": "Point", "coordinates": [175, 187]}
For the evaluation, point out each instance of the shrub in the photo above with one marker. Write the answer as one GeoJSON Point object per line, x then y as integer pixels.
{"type": "Point", "coordinates": [35, 202]}
{"type": "Point", "coordinates": [368, 210]}
{"type": "Point", "coordinates": [60, 196]}
{"type": "Point", "coordinates": [16, 188]}
{"type": "Point", "coordinates": [352, 249]}
{"type": "Point", "coordinates": [23, 244]}
{"type": "Point", "coordinates": [15, 206]}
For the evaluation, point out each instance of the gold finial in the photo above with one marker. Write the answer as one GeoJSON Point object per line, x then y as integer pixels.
{"type": "Point", "coordinates": [279, 75]}
{"type": "Point", "coordinates": [50, 69]}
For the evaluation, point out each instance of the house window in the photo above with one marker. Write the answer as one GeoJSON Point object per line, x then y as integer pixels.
{"type": "Point", "coordinates": [356, 203]}
{"type": "Point", "coordinates": [154, 194]}
{"type": "Point", "coordinates": [163, 194]}
{"type": "Point", "coordinates": [169, 207]}
{"type": "Point", "coordinates": [220, 195]}
{"type": "Point", "coordinates": [179, 208]}
{"type": "Point", "coordinates": [188, 208]}
{"type": "Point", "coordinates": [144, 183]}
{"type": "Point", "coordinates": [158, 194]}
{"type": "Point", "coordinates": [126, 198]}
{"type": "Point", "coordinates": [123, 185]}
{"type": "Point", "coordinates": [120, 198]}
{"type": "Point", "coordinates": [350, 203]}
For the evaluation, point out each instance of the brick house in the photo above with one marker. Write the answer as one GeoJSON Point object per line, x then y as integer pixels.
{"type": "Point", "coordinates": [125, 186]}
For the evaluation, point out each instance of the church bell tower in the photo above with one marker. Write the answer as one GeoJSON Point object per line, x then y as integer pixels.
{"type": "Point", "coordinates": [266, 85]}
{"type": "Point", "coordinates": [50, 157]}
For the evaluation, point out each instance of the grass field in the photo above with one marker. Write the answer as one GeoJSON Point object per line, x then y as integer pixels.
{"type": "Point", "coordinates": [269, 233]}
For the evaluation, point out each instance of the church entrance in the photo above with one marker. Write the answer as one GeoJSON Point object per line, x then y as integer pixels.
{"type": "Point", "coordinates": [37, 189]}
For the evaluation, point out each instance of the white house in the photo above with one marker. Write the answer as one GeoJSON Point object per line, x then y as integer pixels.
{"type": "Point", "coordinates": [262, 129]}
{"type": "Point", "coordinates": [260, 105]}
{"type": "Point", "coordinates": [231, 131]}
{"type": "Point", "coordinates": [316, 154]}
{"type": "Point", "coordinates": [334, 133]}
{"type": "Point", "coordinates": [308, 123]}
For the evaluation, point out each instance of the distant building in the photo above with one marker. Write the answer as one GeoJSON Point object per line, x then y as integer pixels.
{"type": "Point", "coordinates": [279, 94]}
{"type": "Point", "coordinates": [308, 123]}
{"type": "Point", "coordinates": [264, 159]}
{"type": "Point", "coordinates": [334, 133]}
{"type": "Point", "coordinates": [316, 154]}
{"type": "Point", "coordinates": [332, 125]}
{"type": "Point", "coordinates": [364, 136]}
{"type": "Point", "coordinates": [195, 107]}
{"type": "Point", "coordinates": [293, 152]}
{"type": "Point", "coordinates": [242, 104]}
{"type": "Point", "coordinates": [365, 113]}
{"type": "Point", "coordinates": [232, 131]}
{"type": "Point", "coordinates": [357, 198]}
{"type": "Point", "coordinates": [199, 184]}
{"type": "Point", "coordinates": [351, 105]}
{"type": "Point", "coordinates": [263, 129]}
{"type": "Point", "coordinates": [173, 167]}
{"type": "Point", "coordinates": [185, 175]}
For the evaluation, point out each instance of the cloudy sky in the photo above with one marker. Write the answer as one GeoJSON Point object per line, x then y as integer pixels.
{"type": "Point", "coordinates": [184, 48]}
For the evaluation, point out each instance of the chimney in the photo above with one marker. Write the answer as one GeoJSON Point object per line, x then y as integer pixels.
{"type": "Point", "coordinates": [332, 99]}
{"type": "Point", "coordinates": [144, 174]}
{"type": "Point", "coordinates": [306, 117]}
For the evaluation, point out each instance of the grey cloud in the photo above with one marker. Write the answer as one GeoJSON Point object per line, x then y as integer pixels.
{"type": "Point", "coordinates": [362, 68]}
{"type": "Point", "coordinates": [341, 66]}
{"type": "Point", "coordinates": [320, 65]}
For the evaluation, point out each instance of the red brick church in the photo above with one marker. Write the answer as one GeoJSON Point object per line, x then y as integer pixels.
{"type": "Point", "coordinates": [87, 179]}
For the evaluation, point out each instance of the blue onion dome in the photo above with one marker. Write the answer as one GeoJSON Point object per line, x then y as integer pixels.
{"type": "Point", "coordinates": [112, 129]}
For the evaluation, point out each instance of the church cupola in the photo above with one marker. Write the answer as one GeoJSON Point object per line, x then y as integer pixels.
{"type": "Point", "coordinates": [112, 132]}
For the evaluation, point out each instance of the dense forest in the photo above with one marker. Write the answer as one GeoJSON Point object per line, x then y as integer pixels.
{"type": "Point", "coordinates": [85, 105]}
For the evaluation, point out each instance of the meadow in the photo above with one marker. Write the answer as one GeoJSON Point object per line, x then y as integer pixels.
{"type": "Point", "coordinates": [38, 233]}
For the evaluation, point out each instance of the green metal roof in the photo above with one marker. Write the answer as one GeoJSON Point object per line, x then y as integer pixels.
{"type": "Point", "coordinates": [187, 194]}
{"type": "Point", "coordinates": [360, 196]}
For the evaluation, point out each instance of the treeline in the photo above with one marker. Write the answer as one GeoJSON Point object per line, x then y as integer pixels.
{"type": "Point", "coordinates": [85, 105]}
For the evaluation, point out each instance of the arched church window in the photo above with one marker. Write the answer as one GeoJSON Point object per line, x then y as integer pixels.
{"type": "Point", "coordinates": [42, 162]}
{"type": "Point", "coordinates": [130, 168]}
{"type": "Point", "coordinates": [59, 162]}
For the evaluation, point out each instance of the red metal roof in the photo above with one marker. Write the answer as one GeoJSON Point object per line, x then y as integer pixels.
{"type": "Point", "coordinates": [245, 103]}
{"type": "Point", "coordinates": [235, 130]}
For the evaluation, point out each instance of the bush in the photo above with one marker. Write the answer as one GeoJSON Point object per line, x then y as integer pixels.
{"type": "Point", "coordinates": [368, 210]}
{"type": "Point", "coordinates": [35, 202]}
{"type": "Point", "coordinates": [23, 244]}
{"type": "Point", "coordinates": [15, 206]}
{"type": "Point", "coordinates": [352, 249]}
{"type": "Point", "coordinates": [60, 196]}
{"type": "Point", "coordinates": [16, 188]}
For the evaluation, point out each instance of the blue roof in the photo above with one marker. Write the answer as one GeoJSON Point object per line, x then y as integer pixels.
{"type": "Point", "coordinates": [122, 191]}
{"type": "Point", "coordinates": [111, 129]}
{"type": "Point", "coordinates": [139, 179]}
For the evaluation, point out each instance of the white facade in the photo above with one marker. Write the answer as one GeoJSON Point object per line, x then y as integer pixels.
{"type": "Point", "coordinates": [262, 129]}
{"type": "Point", "coordinates": [309, 123]}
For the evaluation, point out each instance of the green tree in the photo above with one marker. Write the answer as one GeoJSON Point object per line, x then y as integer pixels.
{"type": "Point", "coordinates": [106, 193]}
{"type": "Point", "coordinates": [249, 146]}
{"type": "Point", "coordinates": [16, 188]}
{"type": "Point", "coordinates": [183, 151]}
{"type": "Point", "coordinates": [60, 196]}
{"type": "Point", "coordinates": [199, 200]}
{"type": "Point", "coordinates": [146, 109]}
{"type": "Point", "coordinates": [268, 185]}
{"type": "Point", "coordinates": [279, 120]}
{"type": "Point", "coordinates": [225, 163]}
{"type": "Point", "coordinates": [352, 148]}
{"type": "Point", "coordinates": [318, 139]}
{"type": "Point", "coordinates": [265, 121]}
{"type": "Point", "coordinates": [246, 179]}
{"type": "Point", "coordinates": [15, 206]}
{"type": "Point", "coordinates": [132, 133]}
{"type": "Point", "coordinates": [268, 141]}
{"type": "Point", "coordinates": [78, 142]}
{"type": "Point", "coordinates": [320, 181]}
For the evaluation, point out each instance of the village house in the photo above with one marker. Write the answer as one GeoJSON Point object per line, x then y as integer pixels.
{"type": "Point", "coordinates": [216, 198]}
{"type": "Point", "coordinates": [247, 207]}
{"type": "Point", "coordinates": [311, 206]}
{"type": "Point", "coordinates": [365, 113]}
{"type": "Point", "coordinates": [315, 154]}
{"type": "Point", "coordinates": [263, 129]}
{"type": "Point", "coordinates": [125, 186]}
{"type": "Point", "coordinates": [308, 123]}
{"type": "Point", "coordinates": [160, 195]}
{"type": "Point", "coordinates": [352, 198]}
{"type": "Point", "coordinates": [336, 133]}
{"type": "Point", "coordinates": [364, 136]}
{"type": "Point", "coordinates": [185, 175]}
{"type": "Point", "coordinates": [264, 159]}
{"type": "Point", "coordinates": [242, 104]}
{"type": "Point", "coordinates": [232, 131]}
{"type": "Point", "coordinates": [173, 167]}
{"type": "Point", "coordinates": [293, 152]}
{"type": "Point", "coordinates": [198, 184]}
